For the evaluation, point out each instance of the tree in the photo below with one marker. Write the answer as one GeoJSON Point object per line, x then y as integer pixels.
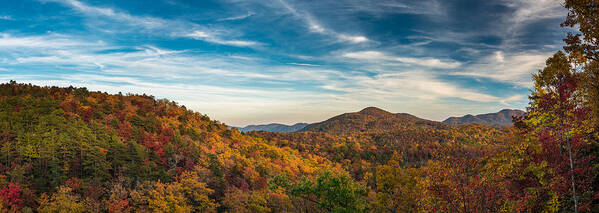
{"type": "Point", "coordinates": [64, 200]}
{"type": "Point", "coordinates": [583, 50]}
{"type": "Point", "coordinates": [186, 194]}
{"type": "Point", "coordinates": [396, 187]}
{"type": "Point", "coordinates": [558, 117]}
{"type": "Point", "coordinates": [333, 192]}
{"type": "Point", "coordinates": [584, 45]}
{"type": "Point", "coordinates": [10, 197]}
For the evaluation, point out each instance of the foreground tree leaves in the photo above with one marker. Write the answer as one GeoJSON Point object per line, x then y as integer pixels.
{"type": "Point", "coordinates": [331, 192]}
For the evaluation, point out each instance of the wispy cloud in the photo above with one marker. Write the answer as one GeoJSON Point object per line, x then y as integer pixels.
{"type": "Point", "coordinates": [7, 18]}
{"type": "Point", "coordinates": [425, 61]}
{"type": "Point", "coordinates": [304, 64]}
{"type": "Point", "coordinates": [423, 7]}
{"type": "Point", "coordinates": [144, 61]}
{"type": "Point", "coordinates": [421, 85]}
{"type": "Point", "coordinates": [316, 27]}
{"type": "Point", "coordinates": [514, 98]}
{"type": "Point", "coordinates": [122, 17]}
{"type": "Point", "coordinates": [530, 10]}
{"type": "Point", "coordinates": [513, 68]}
{"type": "Point", "coordinates": [153, 25]}
{"type": "Point", "coordinates": [46, 41]}
{"type": "Point", "coordinates": [201, 35]}
{"type": "Point", "coordinates": [240, 17]}
{"type": "Point", "coordinates": [213, 83]}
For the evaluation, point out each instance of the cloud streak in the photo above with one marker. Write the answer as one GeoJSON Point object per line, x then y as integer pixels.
{"type": "Point", "coordinates": [137, 71]}
{"type": "Point", "coordinates": [240, 17]}
{"type": "Point", "coordinates": [316, 27]}
{"type": "Point", "coordinates": [425, 62]}
{"type": "Point", "coordinates": [165, 27]}
{"type": "Point", "coordinates": [514, 68]}
{"type": "Point", "coordinates": [200, 35]}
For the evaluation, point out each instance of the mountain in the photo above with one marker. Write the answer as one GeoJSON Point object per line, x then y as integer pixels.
{"type": "Point", "coordinates": [83, 147]}
{"type": "Point", "coordinates": [499, 119]}
{"type": "Point", "coordinates": [372, 119]}
{"type": "Point", "coordinates": [274, 127]}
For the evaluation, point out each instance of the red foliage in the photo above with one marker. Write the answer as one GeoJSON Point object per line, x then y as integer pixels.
{"type": "Point", "coordinates": [125, 131]}
{"type": "Point", "coordinates": [11, 196]}
{"type": "Point", "coordinates": [5, 137]}
{"type": "Point", "coordinates": [87, 114]}
{"type": "Point", "coordinates": [121, 206]}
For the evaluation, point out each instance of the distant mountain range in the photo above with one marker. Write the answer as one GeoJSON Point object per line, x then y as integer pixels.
{"type": "Point", "coordinates": [372, 119]}
{"type": "Point", "coordinates": [274, 127]}
{"type": "Point", "coordinates": [499, 119]}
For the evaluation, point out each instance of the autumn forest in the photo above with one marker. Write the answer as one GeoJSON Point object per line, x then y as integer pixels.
{"type": "Point", "coordinates": [68, 149]}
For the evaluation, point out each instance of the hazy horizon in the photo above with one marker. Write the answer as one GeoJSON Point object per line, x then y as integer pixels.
{"type": "Point", "coordinates": [254, 62]}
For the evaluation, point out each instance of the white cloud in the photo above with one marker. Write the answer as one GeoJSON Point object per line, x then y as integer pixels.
{"type": "Point", "coordinates": [421, 85]}
{"type": "Point", "coordinates": [215, 84]}
{"type": "Point", "coordinates": [421, 7]}
{"type": "Point", "coordinates": [366, 55]}
{"type": "Point", "coordinates": [530, 10]}
{"type": "Point", "coordinates": [152, 25]}
{"type": "Point", "coordinates": [425, 62]}
{"type": "Point", "coordinates": [316, 27]}
{"type": "Point", "coordinates": [7, 18]}
{"type": "Point", "coordinates": [122, 17]}
{"type": "Point", "coordinates": [513, 68]}
{"type": "Point", "coordinates": [240, 17]}
{"type": "Point", "coordinates": [510, 99]}
{"type": "Point", "coordinates": [352, 39]}
{"type": "Point", "coordinates": [304, 64]}
{"type": "Point", "coordinates": [499, 57]}
{"type": "Point", "coordinates": [148, 61]}
{"type": "Point", "coordinates": [200, 35]}
{"type": "Point", "coordinates": [46, 41]}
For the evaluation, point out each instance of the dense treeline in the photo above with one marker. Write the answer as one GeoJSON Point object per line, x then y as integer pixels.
{"type": "Point", "coordinates": [72, 150]}
{"type": "Point", "coordinates": [358, 152]}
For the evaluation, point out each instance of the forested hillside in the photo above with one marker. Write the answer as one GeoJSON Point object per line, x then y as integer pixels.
{"type": "Point", "coordinates": [371, 120]}
{"type": "Point", "coordinates": [80, 151]}
{"type": "Point", "coordinates": [74, 150]}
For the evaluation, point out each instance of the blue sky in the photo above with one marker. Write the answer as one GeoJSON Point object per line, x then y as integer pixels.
{"type": "Point", "coordinates": [257, 61]}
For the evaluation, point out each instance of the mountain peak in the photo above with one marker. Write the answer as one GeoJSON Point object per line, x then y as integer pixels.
{"type": "Point", "coordinates": [372, 119]}
{"type": "Point", "coordinates": [373, 111]}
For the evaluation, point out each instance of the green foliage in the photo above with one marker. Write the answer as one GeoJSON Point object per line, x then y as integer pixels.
{"type": "Point", "coordinates": [334, 192]}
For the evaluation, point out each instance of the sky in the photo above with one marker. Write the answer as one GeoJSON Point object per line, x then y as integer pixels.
{"type": "Point", "coordinates": [286, 61]}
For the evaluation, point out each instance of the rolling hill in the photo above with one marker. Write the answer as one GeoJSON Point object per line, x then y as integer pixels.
{"type": "Point", "coordinates": [499, 119]}
{"type": "Point", "coordinates": [372, 119]}
{"type": "Point", "coordinates": [119, 153]}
